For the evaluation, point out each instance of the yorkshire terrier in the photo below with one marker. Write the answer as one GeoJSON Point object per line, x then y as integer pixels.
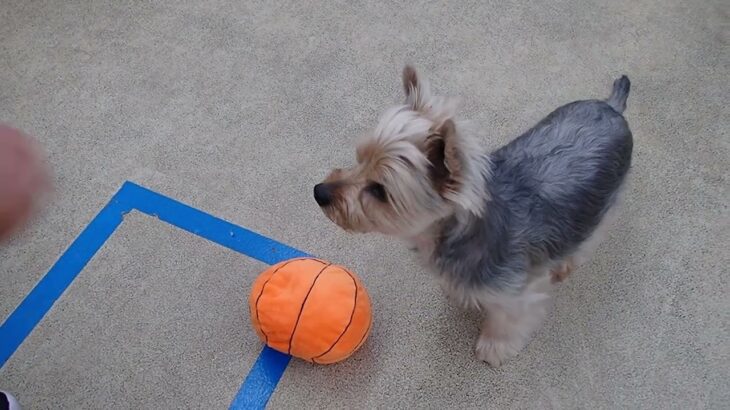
{"type": "Point", "coordinates": [498, 228]}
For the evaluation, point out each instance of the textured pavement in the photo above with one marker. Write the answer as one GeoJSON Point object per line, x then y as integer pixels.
{"type": "Point", "coordinates": [238, 108]}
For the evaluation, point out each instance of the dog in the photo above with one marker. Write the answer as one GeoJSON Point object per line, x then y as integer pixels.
{"type": "Point", "coordinates": [498, 228]}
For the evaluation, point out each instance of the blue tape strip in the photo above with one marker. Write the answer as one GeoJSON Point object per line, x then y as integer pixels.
{"type": "Point", "coordinates": [261, 381]}
{"type": "Point", "coordinates": [270, 365]}
{"type": "Point", "coordinates": [45, 293]}
{"type": "Point", "coordinates": [209, 227]}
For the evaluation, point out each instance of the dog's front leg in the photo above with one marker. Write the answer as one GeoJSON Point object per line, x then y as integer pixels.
{"type": "Point", "coordinates": [511, 320]}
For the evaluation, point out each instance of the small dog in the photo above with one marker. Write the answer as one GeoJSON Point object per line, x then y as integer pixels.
{"type": "Point", "coordinates": [499, 228]}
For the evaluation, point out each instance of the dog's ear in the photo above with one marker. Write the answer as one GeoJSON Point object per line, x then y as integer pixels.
{"type": "Point", "coordinates": [410, 81]}
{"type": "Point", "coordinates": [416, 88]}
{"type": "Point", "coordinates": [445, 161]}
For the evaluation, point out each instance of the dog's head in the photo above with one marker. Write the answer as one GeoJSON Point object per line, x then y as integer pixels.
{"type": "Point", "coordinates": [416, 167]}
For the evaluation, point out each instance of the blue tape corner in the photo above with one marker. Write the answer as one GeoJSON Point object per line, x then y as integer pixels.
{"type": "Point", "coordinates": [270, 365]}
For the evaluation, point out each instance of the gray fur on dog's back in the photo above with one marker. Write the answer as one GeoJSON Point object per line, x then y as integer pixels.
{"type": "Point", "coordinates": [549, 189]}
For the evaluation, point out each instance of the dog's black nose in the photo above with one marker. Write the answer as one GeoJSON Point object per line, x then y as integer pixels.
{"type": "Point", "coordinates": [322, 194]}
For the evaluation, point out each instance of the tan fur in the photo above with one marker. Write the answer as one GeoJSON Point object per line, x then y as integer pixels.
{"type": "Point", "coordinates": [395, 154]}
{"type": "Point", "coordinates": [561, 272]}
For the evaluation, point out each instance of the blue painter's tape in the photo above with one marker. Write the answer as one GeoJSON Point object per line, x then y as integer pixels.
{"type": "Point", "coordinates": [261, 381]}
{"type": "Point", "coordinates": [270, 365]}
{"type": "Point", "coordinates": [45, 293]}
{"type": "Point", "coordinates": [209, 227]}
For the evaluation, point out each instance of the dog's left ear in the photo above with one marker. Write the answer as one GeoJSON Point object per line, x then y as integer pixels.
{"type": "Point", "coordinates": [417, 89]}
{"type": "Point", "coordinates": [444, 157]}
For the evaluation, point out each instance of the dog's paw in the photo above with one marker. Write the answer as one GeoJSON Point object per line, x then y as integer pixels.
{"type": "Point", "coordinates": [560, 272]}
{"type": "Point", "coordinates": [495, 351]}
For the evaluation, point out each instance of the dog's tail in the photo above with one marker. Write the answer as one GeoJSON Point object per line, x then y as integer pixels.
{"type": "Point", "coordinates": [617, 99]}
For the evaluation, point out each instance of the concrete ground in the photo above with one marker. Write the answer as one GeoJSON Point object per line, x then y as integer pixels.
{"type": "Point", "coordinates": [238, 108]}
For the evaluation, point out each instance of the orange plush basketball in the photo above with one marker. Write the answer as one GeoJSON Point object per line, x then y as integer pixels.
{"type": "Point", "coordinates": [311, 309]}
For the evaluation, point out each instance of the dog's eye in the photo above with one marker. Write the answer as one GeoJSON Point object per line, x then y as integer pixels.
{"type": "Point", "coordinates": [378, 191]}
